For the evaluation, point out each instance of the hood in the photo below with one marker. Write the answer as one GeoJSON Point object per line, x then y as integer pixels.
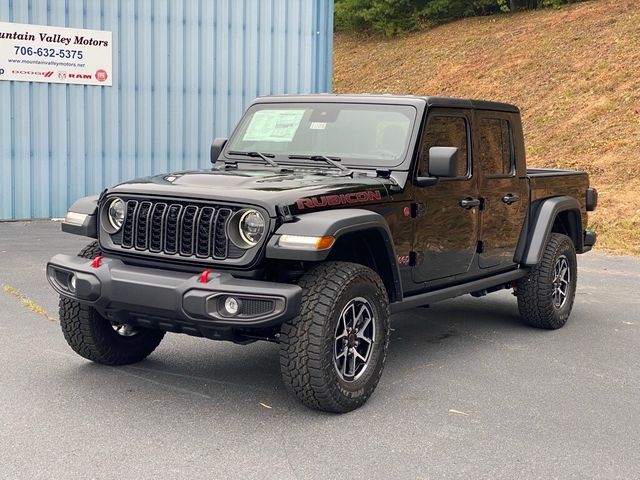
{"type": "Point", "coordinates": [301, 190]}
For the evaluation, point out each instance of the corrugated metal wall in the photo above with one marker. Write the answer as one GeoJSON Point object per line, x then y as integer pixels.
{"type": "Point", "coordinates": [184, 71]}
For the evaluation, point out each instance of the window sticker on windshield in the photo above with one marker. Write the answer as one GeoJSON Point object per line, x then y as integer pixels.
{"type": "Point", "coordinates": [273, 126]}
{"type": "Point", "coordinates": [318, 125]}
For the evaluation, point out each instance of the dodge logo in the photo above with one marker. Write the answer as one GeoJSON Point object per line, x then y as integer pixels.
{"type": "Point", "coordinates": [29, 72]}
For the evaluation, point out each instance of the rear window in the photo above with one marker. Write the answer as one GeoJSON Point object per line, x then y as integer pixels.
{"type": "Point", "coordinates": [495, 149]}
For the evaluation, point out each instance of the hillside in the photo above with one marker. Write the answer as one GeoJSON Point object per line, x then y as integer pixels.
{"type": "Point", "coordinates": [573, 72]}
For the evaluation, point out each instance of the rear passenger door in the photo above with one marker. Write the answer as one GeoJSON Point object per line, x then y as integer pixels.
{"type": "Point", "coordinates": [504, 193]}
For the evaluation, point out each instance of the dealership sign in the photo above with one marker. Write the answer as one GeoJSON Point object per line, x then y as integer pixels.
{"type": "Point", "coordinates": [37, 53]}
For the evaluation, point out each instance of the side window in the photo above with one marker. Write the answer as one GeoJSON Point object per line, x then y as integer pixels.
{"type": "Point", "coordinates": [444, 131]}
{"type": "Point", "coordinates": [495, 149]}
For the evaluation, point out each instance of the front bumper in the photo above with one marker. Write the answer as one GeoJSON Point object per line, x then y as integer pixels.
{"type": "Point", "coordinates": [170, 300]}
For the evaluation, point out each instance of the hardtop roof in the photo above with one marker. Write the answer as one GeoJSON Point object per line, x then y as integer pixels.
{"type": "Point", "coordinates": [431, 101]}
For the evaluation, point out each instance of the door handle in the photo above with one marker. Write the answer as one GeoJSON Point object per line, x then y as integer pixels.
{"type": "Point", "coordinates": [469, 202]}
{"type": "Point", "coordinates": [510, 198]}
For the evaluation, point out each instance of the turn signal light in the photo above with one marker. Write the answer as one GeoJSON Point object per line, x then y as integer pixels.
{"type": "Point", "coordinates": [302, 242]}
{"type": "Point", "coordinates": [325, 242]}
{"type": "Point", "coordinates": [73, 218]}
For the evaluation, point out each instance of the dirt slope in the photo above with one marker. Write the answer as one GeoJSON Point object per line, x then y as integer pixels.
{"type": "Point", "coordinates": [574, 72]}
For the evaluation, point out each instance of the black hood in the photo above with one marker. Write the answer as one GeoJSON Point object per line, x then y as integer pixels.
{"type": "Point", "coordinates": [301, 190]}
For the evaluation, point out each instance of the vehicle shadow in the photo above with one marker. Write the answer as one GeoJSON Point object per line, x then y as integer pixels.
{"type": "Point", "coordinates": [233, 375]}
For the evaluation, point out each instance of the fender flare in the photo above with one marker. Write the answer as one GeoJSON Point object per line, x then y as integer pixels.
{"type": "Point", "coordinates": [85, 206]}
{"type": "Point", "coordinates": [335, 223]}
{"type": "Point", "coordinates": [544, 214]}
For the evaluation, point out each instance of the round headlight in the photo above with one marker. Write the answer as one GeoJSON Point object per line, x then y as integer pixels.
{"type": "Point", "coordinates": [115, 213]}
{"type": "Point", "coordinates": [251, 226]}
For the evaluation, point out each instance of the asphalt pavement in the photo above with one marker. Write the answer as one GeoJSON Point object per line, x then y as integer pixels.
{"type": "Point", "coordinates": [468, 392]}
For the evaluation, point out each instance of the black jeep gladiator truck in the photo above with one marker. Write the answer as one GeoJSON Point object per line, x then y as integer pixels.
{"type": "Point", "coordinates": [321, 216]}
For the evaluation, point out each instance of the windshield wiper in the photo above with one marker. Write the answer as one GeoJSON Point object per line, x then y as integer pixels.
{"type": "Point", "coordinates": [264, 156]}
{"type": "Point", "coordinates": [321, 158]}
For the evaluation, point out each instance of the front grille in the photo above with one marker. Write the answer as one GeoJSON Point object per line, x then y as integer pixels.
{"type": "Point", "coordinates": [183, 229]}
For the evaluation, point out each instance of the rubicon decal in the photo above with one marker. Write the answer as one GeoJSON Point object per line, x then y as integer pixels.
{"type": "Point", "coordinates": [342, 199]}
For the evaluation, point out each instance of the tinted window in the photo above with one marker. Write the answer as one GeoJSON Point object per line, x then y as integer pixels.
{"type": "Point", "coordinates": [495, 147]}
{"type": "Point", "coordinates": [445, 132]}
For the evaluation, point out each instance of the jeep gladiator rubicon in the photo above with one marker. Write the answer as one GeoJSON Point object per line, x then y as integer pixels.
{"type": "Point", "coordinates": [321, 216]}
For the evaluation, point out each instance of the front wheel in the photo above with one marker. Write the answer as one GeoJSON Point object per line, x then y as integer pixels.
{"type": "Point", "coordinates": [96, 338]}
{"type": "Point", "coordinates": [332, 354]}
{"type": "Point", "coordinates": [546, 294]}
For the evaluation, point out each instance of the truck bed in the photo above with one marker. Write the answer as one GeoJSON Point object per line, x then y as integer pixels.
{"type": "Point", "coordinates": [549, 182]}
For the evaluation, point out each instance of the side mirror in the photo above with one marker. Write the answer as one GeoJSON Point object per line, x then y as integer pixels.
{"type": "Point", "coordinates": [216, 148]}
{"type": "Point", "coordinates": [443, 162]}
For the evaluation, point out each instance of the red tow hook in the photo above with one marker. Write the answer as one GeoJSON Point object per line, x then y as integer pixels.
{"type": "Point", "coordinates": [97, 261]}
{"type": "Point", "coordinates": [204, 276]}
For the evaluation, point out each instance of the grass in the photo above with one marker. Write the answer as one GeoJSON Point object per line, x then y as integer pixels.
{"type": "Point", "coordinates": [27, 302]}
{"type": "Point", "coordinates": [573, 72]}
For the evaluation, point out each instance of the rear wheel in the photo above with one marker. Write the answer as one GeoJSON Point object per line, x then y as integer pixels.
{"type": "Point", "coordinates": [332, 354]}
{"type": "Point", "coordinates": [546, 294]}
{"type": "Point", "coordinates": [96, 338]}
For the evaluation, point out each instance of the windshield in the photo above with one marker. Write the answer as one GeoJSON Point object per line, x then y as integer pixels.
{"type": "Point", "coordinates": [361, 135]}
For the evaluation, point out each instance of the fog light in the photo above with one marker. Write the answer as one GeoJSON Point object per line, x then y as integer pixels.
{"type": "Point", "coordinates": [72, 282]}
{"type": "Point", "coordinates": [231, 305]}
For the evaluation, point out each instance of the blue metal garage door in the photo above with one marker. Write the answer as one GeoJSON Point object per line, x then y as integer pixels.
{"type": "Point", "coordinates": [183, 72]}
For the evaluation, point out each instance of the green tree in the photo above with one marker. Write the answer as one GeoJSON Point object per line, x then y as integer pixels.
{"type": "Point", "coordinates": [386, 17]}
{"type": "Point", "coordinates": [392, 17]}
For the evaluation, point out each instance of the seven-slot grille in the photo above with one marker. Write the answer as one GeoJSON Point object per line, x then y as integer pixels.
{"type": "Point", "coordinates": [185, 229]}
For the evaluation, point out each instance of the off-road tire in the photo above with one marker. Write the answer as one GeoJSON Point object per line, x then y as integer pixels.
{"type": "Point", "coordinates": [91, 335]}
{"type": "Point", "coordinates": [92, 250]}
{"type": "Point", "coordinates": [307, 342]}
{"type": "Point", "coordinates": [534, 292]}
